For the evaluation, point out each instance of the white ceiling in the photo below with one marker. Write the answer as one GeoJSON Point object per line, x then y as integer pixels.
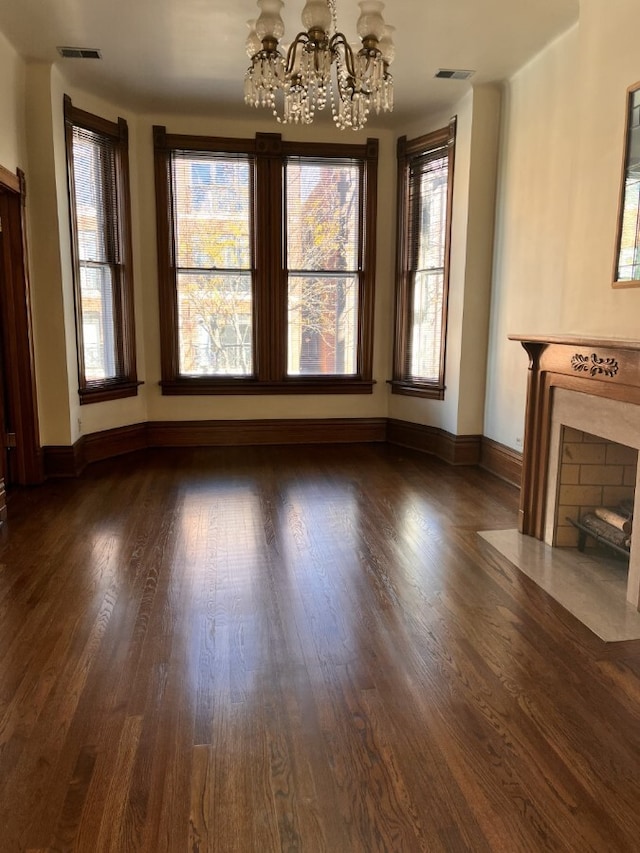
{"type": "Point", "coordinates": [188, 55]}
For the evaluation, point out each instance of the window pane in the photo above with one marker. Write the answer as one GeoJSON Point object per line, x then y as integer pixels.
{"type": "Point", "coordinates": [323, 325]}
{"type": "Point", "coordinates": [323, 212]}
{"type": "Point", "coordinates": [212, 211]}
{"type": "Point", "coordinates": [94, 185]}
{"type": "Point", "coordinates": [629, 258]}
{"type": "Point", "coordinates": [98, 326]}
{"type": "Point", "coordinates": [95, 205]}
{"type": "Point", "coordinates": [432, 215]}
{"type": "Point", "coordinates": [629, 249]}
{"type": "Point", "coordinates": [426, 326]}
{"type": "Point", "coordinates": [215, 325]}
{"type": "Point", "coordinates": [212, 225]}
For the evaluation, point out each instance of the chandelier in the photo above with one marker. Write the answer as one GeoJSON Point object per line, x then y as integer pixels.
{"type": "Point", "coordinates": [320, 66]}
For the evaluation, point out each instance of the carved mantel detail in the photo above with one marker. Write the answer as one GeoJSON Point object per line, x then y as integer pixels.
{"type": "Point", "coordinates": [594, 365]}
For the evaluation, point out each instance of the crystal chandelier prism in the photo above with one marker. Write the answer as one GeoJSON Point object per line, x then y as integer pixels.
{"type": "Point", "coordinates": [320, 66]}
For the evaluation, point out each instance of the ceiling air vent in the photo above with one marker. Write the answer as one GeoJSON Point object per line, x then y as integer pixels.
{"type": "Point", "coordinates": [80, 52]}
{"type": "Point", "coordinates": [453, 74]}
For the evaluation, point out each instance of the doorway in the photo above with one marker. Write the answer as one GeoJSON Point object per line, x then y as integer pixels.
{"type": "Point", "coordinates": [20, 451]}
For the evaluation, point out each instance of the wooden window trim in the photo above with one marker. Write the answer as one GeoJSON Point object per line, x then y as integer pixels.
{"type": "Point", "coordinates": [407, 151]}
{"type": "Point", "coordinates": [269, 153]}
{"type": "Point", "coordinates": [126, 383]}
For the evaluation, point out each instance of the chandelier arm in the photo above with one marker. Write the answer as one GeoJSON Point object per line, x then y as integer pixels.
{"type": "Point", "coordinates": [300, 39]}
{"type": "Point", "coordinates": [339, 40]}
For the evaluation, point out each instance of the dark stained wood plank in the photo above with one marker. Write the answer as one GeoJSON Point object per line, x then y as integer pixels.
{"type": "Point", "coordinates": [302, 649]}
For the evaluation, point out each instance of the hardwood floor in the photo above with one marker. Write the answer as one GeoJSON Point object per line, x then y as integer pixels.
{"type": "Point", "coordinates": [298, 649]}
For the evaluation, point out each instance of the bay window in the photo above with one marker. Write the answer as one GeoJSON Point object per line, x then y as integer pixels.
{"type": "Point", "coordinates": [266, 256]}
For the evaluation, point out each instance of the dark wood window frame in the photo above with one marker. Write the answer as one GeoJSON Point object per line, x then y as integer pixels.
{"type": "Point", "coordinates": [408, 153]}
{"type": "Point", "coordinates": [268, 152]}
{"type": "Point", "coordinates": [125, 384]}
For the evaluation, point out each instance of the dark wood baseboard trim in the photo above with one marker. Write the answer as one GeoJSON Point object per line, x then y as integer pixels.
{"type": "Point", "coordinates": [290, 431]}
{"type": "Point", "coordinates": [63, 460]}
{"type": "Point", "coordinates": [114, 442]}
{"type": "Point", "coordinates": [455, 449]}
{"type": "Point", "coordinates": [501, 461]}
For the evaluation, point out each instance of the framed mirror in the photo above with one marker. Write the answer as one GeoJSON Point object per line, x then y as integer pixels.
{"type": "Point", "coordinates": [627, 266]}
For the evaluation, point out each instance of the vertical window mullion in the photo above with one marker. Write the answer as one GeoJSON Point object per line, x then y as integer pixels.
{"type": "Point", "coordinates": [269, 238]}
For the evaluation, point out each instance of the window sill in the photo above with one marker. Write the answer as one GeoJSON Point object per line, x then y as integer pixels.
{"type": "Point", "coordinates": [622, 283]}
{"type": "Point", "coordinates": [108, 391]}
{"type": "Point", "coordinates": [205, 386]}
{"type": "Point", "coordinates": [415, 389]}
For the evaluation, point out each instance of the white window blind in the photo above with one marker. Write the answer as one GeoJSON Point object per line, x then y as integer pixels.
{"type": "Point", "coordinates": [427, 205]}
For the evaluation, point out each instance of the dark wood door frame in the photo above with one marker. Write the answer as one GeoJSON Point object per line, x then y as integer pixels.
{"type": "Point", "coordinates": [15, 311]}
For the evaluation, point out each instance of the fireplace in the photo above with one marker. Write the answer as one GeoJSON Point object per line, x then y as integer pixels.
{"type": "Point", "coordinates": [580, 388]}
{"type": "Point", "coordinates": [595, 491]}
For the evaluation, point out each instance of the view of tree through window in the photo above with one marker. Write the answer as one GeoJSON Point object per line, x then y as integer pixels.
{"type": "Point", "coordinates": [213, 260]}
{"type": "Point", "coordinates": [322, 223]}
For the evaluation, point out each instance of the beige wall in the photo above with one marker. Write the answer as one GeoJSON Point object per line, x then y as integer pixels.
{"type": "Point", "coordinates": [533, 209]}
{"type": "Point", "coordinates": [481, 200]}
{"type": "Point", "coordinates": [608, 65]}
{"type": "Point", "coordinates": [561, 156]}
{"type": "Point", "coordinates": [46, 227]}
{"type": "Point", "coordinates": [12, 124]}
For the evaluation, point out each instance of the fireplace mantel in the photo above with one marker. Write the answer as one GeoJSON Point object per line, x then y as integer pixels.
{"type": "Point", "coordinates": [601, 367]}
{"type": "Point", "coordinates": [597, 367]}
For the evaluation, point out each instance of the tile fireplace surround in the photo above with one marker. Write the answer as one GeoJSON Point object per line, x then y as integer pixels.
{"type": "Point", "coordinates": [586, 384]}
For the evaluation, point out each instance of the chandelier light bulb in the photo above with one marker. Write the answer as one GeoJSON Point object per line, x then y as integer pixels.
{"type": "Point", "coordinates": [270, 25]}
{"type": "Point", "coordinates": [370, 23]}
{"type": "Point", "coordinates": [253, 43]}
{"type": "Point", "coordinates": [316, 15]}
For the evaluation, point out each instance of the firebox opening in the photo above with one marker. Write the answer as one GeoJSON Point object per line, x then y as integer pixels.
{"type": "Point", "coordinates": [596, 486]}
